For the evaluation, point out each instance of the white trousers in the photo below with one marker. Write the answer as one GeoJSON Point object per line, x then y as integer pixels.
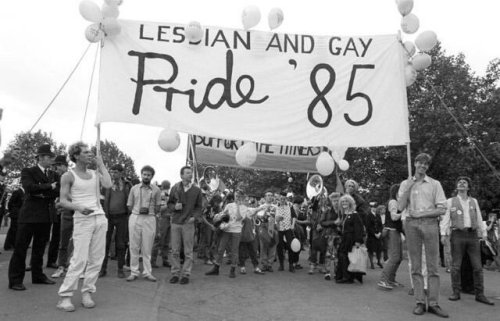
{"type": "Point", "coordinates": [142, 230]}
{"type": "Point", "coordinates": [89, 242]}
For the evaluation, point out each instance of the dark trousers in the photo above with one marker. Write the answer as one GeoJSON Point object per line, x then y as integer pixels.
{"type": "Point", "coordinates": [246, 250]}
{"type": "Point", "coordinates": [54, 243]}
{"type": "Point", "coordinates": [10, 239]}
{"type": "Point", "coordinates": [318, 245]}
{"type": "Point", "coordinates": [65, 238]}
{"type": "Point", "coordinates": [233, 241]}
{"type": "Point", "coordinates": [285, 246]}
{"type": "Point", "coordinates": [466, 242]}
{"type": "Point", "coordinates": [207, 242]}
{"type": "Point", "coordinates": [120, 224]}
{"type": "Point", "coordinates": [162, 239]}
{"type": "Point", "coordinates": [40, 232]}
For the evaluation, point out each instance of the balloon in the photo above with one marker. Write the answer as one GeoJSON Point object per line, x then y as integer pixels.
{"type": "Point", "coordinates": [169, 140]}
{"type": "Point", "coordinates": [250, 17]}
{"type": "Point", "coordinates": [246, 155]}
{"type": "Point", "coordinates": [110, 11]}
{"type": "Point", "coordinates": [335, 155]}
{"type": "Point", "coordinates": [410, 75]}
{"type": "Point", "coordinates": [410, 48]}
{"type": "Point", "coordinates": [421, 61]}
{"type": "Point", "coordinates": [290, 179]}
{"type": "Point", "coordinates": [90, 11]}
{"type": "Point", "coordinates": [405, 6]}
{"type": "Point", "coordinates": [275, 18]}
{"type": "Point", "coordinates": [344, 165]}
{"type": "Point", "coordinates": [410, 24]}
{"type": "Point", "coordinates": [113, 2]}
{"type": "Point", "coordinates": [111, 27]}
{"type": "Point", "coordinates": [94, 33]}
{"type": "Point", "coordinates": [194, 33]}
{"type": "Point", "coordinates": [325, 164]}
{"type": "Point", "coordinates": [295, 245]}
{"type": "Point", "coordinates": [426, 40]}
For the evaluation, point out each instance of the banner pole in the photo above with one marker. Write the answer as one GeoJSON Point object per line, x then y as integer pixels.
{"type": "Point", "coordinates": [408, 155]}
{"type": "Point", "coordinates": [98, 153]}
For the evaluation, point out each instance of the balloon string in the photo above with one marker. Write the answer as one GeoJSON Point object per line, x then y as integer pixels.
{"type": "Point", "coordinates": [89, 92]}
{"type": "Point", "coordinates": [60, 89]}
{"type": "Point", "coordinates": [461, 127]}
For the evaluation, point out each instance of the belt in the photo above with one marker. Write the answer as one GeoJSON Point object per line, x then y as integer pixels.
{"type": "Point", "coordinates": [467, 229]}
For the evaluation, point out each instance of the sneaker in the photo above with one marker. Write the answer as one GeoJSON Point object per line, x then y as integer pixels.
{"type": "Point", "coordinates": [209, 262]}
{"type": "Point", "coordinates": [384, 285]}
{"type": "Point", "coordinates": [395, 284]}
{"type": "Point", "coordinates": [311, 269]}
{"type": "Point", "coordinates": [328, 277]}
{"type": "Point", "coordinates": [184, 280]}
{"type": "Point", "coordinates": [174, 279]}
{"type": "Point", "coordinates": [59, 272]}
{"type": "Point", "coordinates": [150, 278]}
{"type": "Point", "coordinates": [87, 301]}
{"type": "Point", "coordinates": [243, 270]}
{"type": "Point", "coordinates": [65, 304]}
{"type": "Point", "coordinates": [257, 270]}
{"type": "Point", "coordinates": [131, 278]}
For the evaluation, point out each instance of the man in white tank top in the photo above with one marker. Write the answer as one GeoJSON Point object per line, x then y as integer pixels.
{"type": "Point", "coordinates": [80, 193]}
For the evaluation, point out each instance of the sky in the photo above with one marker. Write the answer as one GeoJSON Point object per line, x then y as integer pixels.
{"type": "Point", "coordinates": [41, 41]}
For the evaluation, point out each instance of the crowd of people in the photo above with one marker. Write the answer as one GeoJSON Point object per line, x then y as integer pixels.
{"type": "Point", "coordinates": [87, 216]}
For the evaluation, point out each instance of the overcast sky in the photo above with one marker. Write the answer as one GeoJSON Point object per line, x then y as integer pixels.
{"type": "Point", "coordinates": [40, 42]}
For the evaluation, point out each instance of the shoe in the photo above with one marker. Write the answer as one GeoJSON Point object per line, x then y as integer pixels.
{"type": "Point", "coordinates": [232, 272]}
{"type": "Point", "coordinates": [52, 266]}
{"type": "Point", "coordinates": [298, 267]}
{"type": "Point", "coordinates": [243, 270]}
{"type": "Point", "coordinates": [166, 264]}
{"type": "Point", "coordinates": [385, 285]}
{"type": "Point", "coordinates": [17, 287]}
{"type": "Point", "coordinates": [269, 269]}
{"type": "Point", "coordinates": [65, 304]}
{"type": "Point", "coordinates": [102, 273]}
{"type": "Point", "coordinates": [291, 268]}
{"type": "Point", "coordinates": [481, 298]}
{"type": "Point", "coordinates": [150, 278]}
{"type": "Point", "coordinates": [328, 277]}
{"type": "Point", "coordinates": [380, 265]}
{"type": "Point", "coordinates": [121, 274]}
{"type": "Point", "coordinates": [174, 279]}
{"type": "Point", "coordinates": [44, 281]}
{"type": "Point", "coordinates": [208, 262]}
{"type": "Point", "coordinates": [395, 284]}
{"type": "Point", "coordinates": [345, 281]}
{"type": "Point", "coordinates": [184, 280]}
{"type": "Point", "coordinates": [311, 269]}
{"type": "Point", "coordinates": [359, 277]}
{"type": "Point", "coordinates": [87, 301]}
{"type": "Point", "coordinates": [59, 273]}
{"type": "Point", "coordinates": [258, 271]}
{"type": "Point", "coordinates": [419, 309]}
{"type": "Point", "coordinates": [214, 270]}
{"type": "Point", "coordinates": [411, 292]}
{"type": "Point", "coordinates": [322, 269]}
{"type": "Point", "coordinates": [436, 309]}
{"type": "Point", "coordinates": [281, 268]}
{"type": "Point", "coordinates": [131, 278]}
{"type": "Point", "coordinates": [455, 296]}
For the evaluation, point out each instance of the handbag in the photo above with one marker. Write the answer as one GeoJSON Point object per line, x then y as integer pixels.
{"type": "Point", "coordinates": [247, 234]}
{"type": "Point", "coordinates": [358, 259]}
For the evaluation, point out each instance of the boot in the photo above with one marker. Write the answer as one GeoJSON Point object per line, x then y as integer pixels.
{"type": "Point", "coordinates": [232, 273]}
{"type": "Point", "coordinates": [214, 270]}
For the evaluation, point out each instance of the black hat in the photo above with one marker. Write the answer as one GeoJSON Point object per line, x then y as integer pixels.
{"type": "Point", "coordinates": [45, 149]}
{"type": "Point", "coordinates": [60, 160]}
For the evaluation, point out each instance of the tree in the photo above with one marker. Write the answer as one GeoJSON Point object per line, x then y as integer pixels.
{"type": "Point", "coordinates": [112, 155]}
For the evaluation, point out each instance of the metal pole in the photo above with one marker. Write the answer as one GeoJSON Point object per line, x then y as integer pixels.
{"type": "Point", "coordinates": [408, 155]}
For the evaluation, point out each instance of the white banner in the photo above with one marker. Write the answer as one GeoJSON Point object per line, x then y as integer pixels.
{"type": "Point", "coordinates": [282, 89]}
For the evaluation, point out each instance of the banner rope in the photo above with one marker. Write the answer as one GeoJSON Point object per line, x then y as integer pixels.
{"type": "Point", "coordinates": [60, 89]}
{"type": "Point", "coordinates": [89, 92]}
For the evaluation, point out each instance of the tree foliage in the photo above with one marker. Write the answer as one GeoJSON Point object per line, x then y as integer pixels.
{"type": "Point", "coordinates": [112, 155]}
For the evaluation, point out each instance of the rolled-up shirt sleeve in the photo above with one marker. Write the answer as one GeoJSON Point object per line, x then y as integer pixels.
{"type": "Point", "coordinates": [444, 224]}
{"type": "Point", "coordinates": [440, 198]}
{"type": "Point", "coordinates": [481, 224]}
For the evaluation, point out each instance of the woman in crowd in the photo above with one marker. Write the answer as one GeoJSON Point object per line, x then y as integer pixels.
{"type": "Point", "coordinates": [362, 207]}
{"type": "Point", "coordinates": [352, 235]}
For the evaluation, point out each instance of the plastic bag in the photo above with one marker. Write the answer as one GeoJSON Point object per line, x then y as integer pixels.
{"type": "Point", "coordinates": [358, 259]}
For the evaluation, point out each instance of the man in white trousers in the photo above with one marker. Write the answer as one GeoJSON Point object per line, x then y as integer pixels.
{"type": "Point", "coordinates": [144, 202]}
{"type": "Point", "coordinates": [80, 193]}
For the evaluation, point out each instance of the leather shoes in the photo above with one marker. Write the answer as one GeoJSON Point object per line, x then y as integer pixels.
{"type": "Point", "coordinates": [483, 299]}
{"type": "Point", "coordinates": [44, 281]}
{"type": "Point", "coordinates": [436, 309]}
{"type": "Point", "coordinates": [17, 287]}
{"type": "Point", "coordinates": [419, 309]}
{"type": "Point", "coordinates": [454, 297]}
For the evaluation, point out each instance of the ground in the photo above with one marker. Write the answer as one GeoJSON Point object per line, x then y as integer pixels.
{"type": "Point", "coordinates": [274, 296]}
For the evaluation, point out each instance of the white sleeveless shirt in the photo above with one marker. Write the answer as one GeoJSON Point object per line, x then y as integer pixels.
{"type": "Point", "coordinates": [84, 193]}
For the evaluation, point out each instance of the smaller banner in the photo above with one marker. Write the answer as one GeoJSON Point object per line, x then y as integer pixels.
{"type": "Point", "coordinates": [221, 152]}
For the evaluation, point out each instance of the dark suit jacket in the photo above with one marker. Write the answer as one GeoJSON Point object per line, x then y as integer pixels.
{"type": "Point", "coordinates": [373, 225]}
{"type": "Point", "coordinates": [38, 206]}
{"type": "Point", "coordinates": [15, 203]}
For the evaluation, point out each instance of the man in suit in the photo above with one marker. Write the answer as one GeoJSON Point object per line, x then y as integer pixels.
{"type": "Point", "coordinates": [14, 205]}
{"type": "Point", "coordinates": [35, 217]}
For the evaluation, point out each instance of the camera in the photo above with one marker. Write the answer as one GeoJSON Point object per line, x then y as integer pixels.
{"type": "Point", "coordinates": [144, 211]}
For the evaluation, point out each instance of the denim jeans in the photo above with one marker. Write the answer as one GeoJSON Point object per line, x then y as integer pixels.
{"type": "Point", "coordinates": [233, 239]}
{"type": "Point", "coordinates": [182, 236]}
{"type": "Point", "coordinates": [466, 242]}
{"type": "Point", "coordinates": [424, 231]}
{"type": "Point", "coordinates": [65, 244]}
{"type": "Point", "coordinates": [395, 250]}
{"type": "Point", "coordinates": [162, 239]}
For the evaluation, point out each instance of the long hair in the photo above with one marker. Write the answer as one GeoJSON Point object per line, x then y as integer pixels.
{"type": "Point", "coordinates": [352, 204]}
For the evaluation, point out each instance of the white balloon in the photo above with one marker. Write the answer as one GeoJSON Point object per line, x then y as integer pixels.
{"type": "Point", "coordinates": [410, 48]}
{"type": "Point", "coordinates": [426, 40]}
{"type": "Point", "coordinates": [275, 18]}
{"type": "Point", "coordinates": [344, 165]}
{"type": "Point", "coordinates": [410, 23]}
{"type": "Point", "coordinates": [169, 140]}
{"type": "Point", "coordinates": [90, 11]}
{"type": "Point", "coordinates": [194, 32]}
{"type": "Point", "coordinates": [246, 154]}
{"type": "Point", "coordinates": [405, 6]}
{"type": "Point", "coordinates": [110, 11]}
{"type": "Point", "coordinates": [325, 164]}
{"type": "Point", "coordinates": [295, 245]}
{"type": "Point", "coordinates": [410, 75]}
{"type": "Point", "coordinates": [421, 61]}
{"type": "Point", "coordinates": [250, 17]}
{"type": "Point", "coordinates": [111, 27]}
{"type": "Point", "coordinates": [94, 33]}
{"type": "Point", "coordinates": [114, 2]}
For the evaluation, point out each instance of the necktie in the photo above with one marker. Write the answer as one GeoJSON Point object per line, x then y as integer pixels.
{"type": "Point", "coordinates": [46, 172]}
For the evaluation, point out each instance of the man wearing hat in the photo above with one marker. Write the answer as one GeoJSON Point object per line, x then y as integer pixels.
{"type": "Point", "coordinates": [464, 223]}
{"type": "Point", "coordinates": [35, 217]}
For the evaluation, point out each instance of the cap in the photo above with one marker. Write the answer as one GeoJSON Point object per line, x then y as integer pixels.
{"type": "Point", "coordinates": [60, 160]}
